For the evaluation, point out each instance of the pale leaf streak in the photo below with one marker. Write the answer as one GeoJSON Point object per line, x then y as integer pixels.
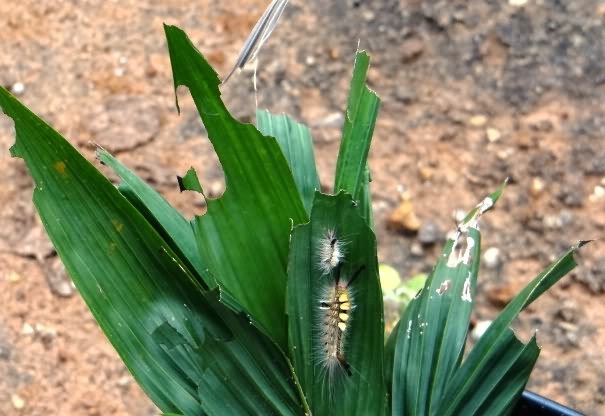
{"type": "Point", "coordinates": [466, 290]}
{"type": "Point", "coordinates": [461, 253]}
{"type": "Point", "coordinates": [443, 287]}
{"type": "Point", "coordinates": [259, 35]}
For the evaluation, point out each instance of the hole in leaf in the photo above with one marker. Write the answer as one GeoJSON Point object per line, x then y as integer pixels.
{"type": "Point", "coordinates": [200, 155]}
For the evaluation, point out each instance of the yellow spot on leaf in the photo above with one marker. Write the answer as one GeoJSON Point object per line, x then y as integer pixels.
{"type": "Point", "coordinates": [60, 167]}
{"type": "Point", "coordinates": [117, 225]}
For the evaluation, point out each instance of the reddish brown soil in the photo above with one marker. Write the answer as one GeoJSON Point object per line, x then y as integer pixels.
{"type": "Point", "coordinates": [448, 72]}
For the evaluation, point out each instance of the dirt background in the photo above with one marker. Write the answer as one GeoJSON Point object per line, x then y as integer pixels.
{"type": "Point", "coordinates": [472, 92]}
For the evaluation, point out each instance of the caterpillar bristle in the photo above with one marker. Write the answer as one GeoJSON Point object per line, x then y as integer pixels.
{"type": "Point", "coordinates": [331, 252]}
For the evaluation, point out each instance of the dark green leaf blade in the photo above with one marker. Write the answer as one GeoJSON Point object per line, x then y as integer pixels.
{"type": "Point", "coordinates": [497, 385]}
{"type": "Point", "coordinates": [352, 174]}
{"type": "Point", "coordinates": [244, 235]}
{"type": "Point", "coordinates": [481, 357]}
{"type": "Point", "coordinates": [172, 226]}
{"type": "Point", "coordinates": [432, 332]}
{"type": "Point", "coordinates": [135, 286]}
{"type": "Point", "coordinates": [362, 393]}
{"type": "Point", "coordinates": [242, 371]}
{"type": "Point", "coordinates": [365, 199]}
{"type": "Point", "coordinates": [389, 357]}
{"type": "Point", "coordinates": [296, 143]}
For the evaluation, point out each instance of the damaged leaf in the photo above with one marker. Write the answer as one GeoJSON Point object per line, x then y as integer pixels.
{"type": "Point", "coordinates": [432, 332]}
{"type": "Point", "coordinates": [137, 288]}
{"type": "Point", "coordinates": [428, 375]}
{"type": "Point", "coordinates": [468, 388]}
{"type": "Point", "coordinates": [352, 172]}
{"type": "Point", "coordinates": [190, 182]}
{"type": "Point", "coordinates": [243, 237]}
{"type": "Point", "coordinates": [169, 222]}
{"type": "Point", "coordinates": [362, 391]}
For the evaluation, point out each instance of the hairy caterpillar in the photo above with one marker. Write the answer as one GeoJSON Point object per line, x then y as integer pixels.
{"type": "Point", "coordinates": [331, 252]}
{"type": "Point", "coordinates": [335, 308]}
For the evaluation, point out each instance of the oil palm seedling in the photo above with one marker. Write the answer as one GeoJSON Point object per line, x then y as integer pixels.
{"type": "Point", "coordinates": [270, 302]}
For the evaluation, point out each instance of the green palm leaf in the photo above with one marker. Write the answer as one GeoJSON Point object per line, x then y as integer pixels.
{"type": "Point", "coordinates": [296, 143]}
{"type": "Point", "coordinates": [352, 172]}
{"type": "Point", "coordinates": [169, 222]}
{"type": "Point", "coordinates": [189, 352]}
{"type": "Point", "coordinates": [363, 391]}
{"type": "Point", "coordinates": [498, 367]}
{"type": "Point", "coordinates": [243, 237]}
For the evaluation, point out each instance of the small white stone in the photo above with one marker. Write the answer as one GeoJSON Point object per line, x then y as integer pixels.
{"type": "Point", "coordinates": [478, 120]}
{"type": "Point", "coordinates": [517, 3]}
{"type": "Point", "coordinates": [492, 134]}
{"type": "Point", "coordinates": [598, 193]}
{"type": "Point", "coordinates": [18, 88]}
{"type": "Point", "coordinates": [368, 15]}
{"type": "Point", "coordinates": [331, 120]}
{"type": "Point", "coordinates": [27, 329]}
{"type": "Point", "coordinates": [13, 277]}
{"type": "Point", "coordinates": [380, 205]}
{"type": "Point", "coordinates": [124, 381]}
{"type": "Point", "coordinates": [17, 401]}
{"type": "Point", "coordinates": [505, 153]}
{"type": "Point", "coordinates": [416, 249]}
{"type": "Point", "coordinates": [45, 332]}
{"type": "Point", "coordinates": [491, 258]}
{"type": "Point", "coordinates": [537, 186]}
{"type": "Point", "coordinates": [551, 222]}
